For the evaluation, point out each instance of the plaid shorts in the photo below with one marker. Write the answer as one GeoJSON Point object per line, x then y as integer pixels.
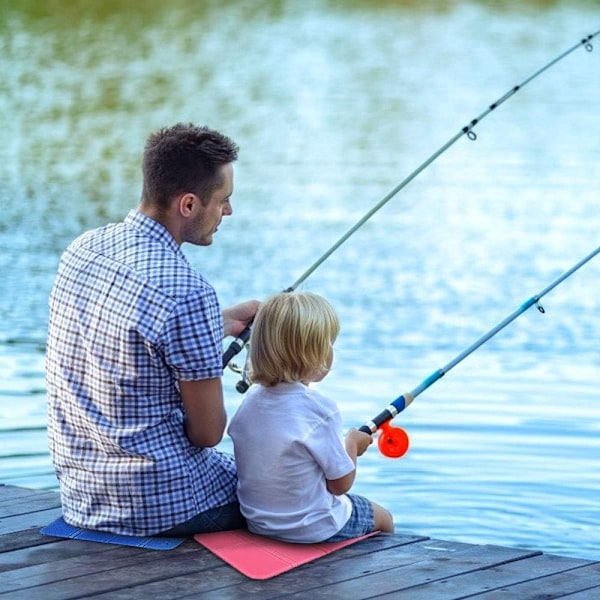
{"type": "Point", "coordinates": [361, 520]}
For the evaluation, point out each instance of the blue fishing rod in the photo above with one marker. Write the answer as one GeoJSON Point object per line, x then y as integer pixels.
{"type": "Point", "coordinates": [238, 343]}
{"type": "Point", "coordinates": [393, 441]}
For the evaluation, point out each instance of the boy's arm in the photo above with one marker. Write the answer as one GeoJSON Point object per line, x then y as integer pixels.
{"type": "Point", "coordinates": [356, 443]}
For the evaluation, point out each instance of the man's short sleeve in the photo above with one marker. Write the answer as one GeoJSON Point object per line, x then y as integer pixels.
{"type": "Point", "coordinates": [193, 337]}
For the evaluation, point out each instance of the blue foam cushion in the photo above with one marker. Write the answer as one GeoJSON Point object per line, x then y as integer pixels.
{"type": "Point", "coordinates": [59, 528]}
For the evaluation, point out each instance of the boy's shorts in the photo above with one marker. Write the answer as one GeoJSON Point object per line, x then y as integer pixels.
{"type": "Point", "coordinates": [361, 520]}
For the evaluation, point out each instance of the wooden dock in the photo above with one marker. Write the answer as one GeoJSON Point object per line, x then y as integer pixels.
{"type": "Point", "coordinates": [384, 567]}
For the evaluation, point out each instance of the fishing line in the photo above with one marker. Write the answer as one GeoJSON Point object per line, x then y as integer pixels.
{"type": "Point", "coordinates": [238, 344]}
{"type": "Point", "coordinates": [393, 441]}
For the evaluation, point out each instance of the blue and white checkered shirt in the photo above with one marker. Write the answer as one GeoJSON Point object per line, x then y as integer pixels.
{"type": "Point", "coordinates": [129, 317]}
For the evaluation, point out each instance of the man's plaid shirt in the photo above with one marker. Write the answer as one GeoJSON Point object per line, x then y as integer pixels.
{"type": "Point", "coordinates": [129, 317]}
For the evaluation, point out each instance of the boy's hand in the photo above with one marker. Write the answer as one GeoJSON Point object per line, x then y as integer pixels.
{"type": "Point", "coordinates": [357, 442]}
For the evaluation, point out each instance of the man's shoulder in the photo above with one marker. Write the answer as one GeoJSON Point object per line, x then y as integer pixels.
{"type": "Point", "coordinates": [118, 246]}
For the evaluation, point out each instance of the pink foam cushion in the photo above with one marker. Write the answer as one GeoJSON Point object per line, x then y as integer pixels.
{"type": "Point", "coordinates": [259, 557]}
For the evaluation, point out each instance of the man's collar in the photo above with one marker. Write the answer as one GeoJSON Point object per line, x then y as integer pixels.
{"type": "Point", "coordinates": [152, 228]}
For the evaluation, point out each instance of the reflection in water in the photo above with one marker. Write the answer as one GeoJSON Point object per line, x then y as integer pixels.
{"type": "Point", "coordinates": [333, 104]}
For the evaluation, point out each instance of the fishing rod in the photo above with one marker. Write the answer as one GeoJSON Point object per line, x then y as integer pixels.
{"type": "Point", "coordinates": [393, 441]}
{"type": "Point", "coordinates": [238, 343]}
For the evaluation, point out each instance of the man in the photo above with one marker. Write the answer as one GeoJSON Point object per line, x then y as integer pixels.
{"type": "Point", "coordinates": [134, 356]}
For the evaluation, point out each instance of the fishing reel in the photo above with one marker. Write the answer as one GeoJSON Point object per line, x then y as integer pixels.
{"type": "Point", "coordinates": [393, 441]}
{"type": "Point", "coordinates": [244, 383]}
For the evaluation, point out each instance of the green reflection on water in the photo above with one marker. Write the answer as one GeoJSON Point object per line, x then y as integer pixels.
{"type": "Point", "coordinates": [83, 83]}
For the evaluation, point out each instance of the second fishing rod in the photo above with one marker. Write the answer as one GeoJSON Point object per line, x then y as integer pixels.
{"type": "Point", "coordinates": [238, 344]}
{"type": "Point", "coordinates": [393, 441]}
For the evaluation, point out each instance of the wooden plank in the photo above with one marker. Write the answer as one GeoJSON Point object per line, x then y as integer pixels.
{"type": "Point", "coordinates": [384, 566]}
{"type": "Point", "coordinates": [488, 581]}
{"type": "Point", "coordinates": [23, 539]}
{"type": "Point", "coordinates": [52, 553]}
{"type": "Point", "coordinates": [72, 559]}
{"type": "Point", "coordinates": [185, 586]}
{"type": "Point", "coordinates": [189, 585]}
{"type": "Point", "coordinates": [22, 508]}
{"type": "Point", "coordinates": [10, 492]}
{"type": "Point", "coordinates": [20, 505]}
{"type": "Point", "coordinates": [575, 584]}
{"type": "Point", "coordinates": [591, 594]}
{"type": "Point", "coordinates": [422, 571]}
{"type": "Point", "coordinates": [366, 575]}
{"type": "Point", "coordinates": [38, 518]}
{"type": "Point", "coordinates": [57, 577]}
{"type": "Point", "coordinates": [103, 572]}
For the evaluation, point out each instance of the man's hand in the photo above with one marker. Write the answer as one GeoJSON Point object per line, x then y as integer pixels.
{"type": "Point", "coordinates": [237, 317]}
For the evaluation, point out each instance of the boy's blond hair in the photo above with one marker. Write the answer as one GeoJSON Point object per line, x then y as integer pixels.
{"type": "Point", "coordinates": [291, 338]}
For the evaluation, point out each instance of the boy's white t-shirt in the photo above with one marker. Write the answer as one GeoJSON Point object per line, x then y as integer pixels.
{"type": "Point", "coordinates": [287, 442]}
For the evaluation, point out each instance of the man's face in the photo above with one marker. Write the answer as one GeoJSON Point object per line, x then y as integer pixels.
{"type": "Point", "coordinates": [208, 216]}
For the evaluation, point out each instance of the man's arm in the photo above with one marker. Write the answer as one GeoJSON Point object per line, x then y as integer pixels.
{"type": "Point", "coordinates": [205, 416]}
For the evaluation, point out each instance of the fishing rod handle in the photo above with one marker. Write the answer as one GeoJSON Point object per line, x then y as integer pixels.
{"type": "Point", "coordinates": [241, 340]}
{"type": "Point", "coordinates": [237, 345]}
{"type": "Point", "coordinates": [388, 413]}
{"type": "Point", "coordinates": [385, 415]}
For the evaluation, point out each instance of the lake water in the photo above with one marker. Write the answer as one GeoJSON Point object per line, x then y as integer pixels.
{"type": "Point", "coordinates": [333, 104]}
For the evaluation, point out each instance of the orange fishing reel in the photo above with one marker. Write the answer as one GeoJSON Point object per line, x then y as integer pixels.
{"type": "Point", "coordinates": [393, 442]}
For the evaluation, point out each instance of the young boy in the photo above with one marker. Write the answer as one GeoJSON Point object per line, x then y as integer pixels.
{"type": "Point", "coordinates": [294, 470]}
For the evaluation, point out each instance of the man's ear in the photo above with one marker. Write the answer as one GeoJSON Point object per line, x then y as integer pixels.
{"type": "Point", "coordinates": [186, 203]}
